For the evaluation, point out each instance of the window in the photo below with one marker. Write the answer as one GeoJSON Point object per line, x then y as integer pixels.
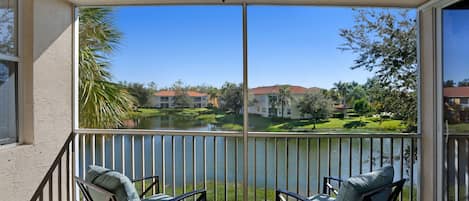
{"type": "Point", "coordinates": [455, 71]}
{"type": "Point", "coordinates": [8, 71]}
{"type": "Point", "coordinates": [164, 99]}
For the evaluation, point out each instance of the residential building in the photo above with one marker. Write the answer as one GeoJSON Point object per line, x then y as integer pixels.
{"type": "Point", "coordinates": [456, 96]}
{"type": "Point", "coordinates": [264, 101]}
{"type": "Point", "coordinates": [166, 99]}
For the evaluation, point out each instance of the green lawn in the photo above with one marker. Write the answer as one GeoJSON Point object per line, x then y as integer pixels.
{"type": "Point", "coordinates": [259, 123]}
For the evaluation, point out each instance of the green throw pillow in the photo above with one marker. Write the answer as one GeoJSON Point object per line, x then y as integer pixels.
{"type": "Point", "coordinates": [354, 187]}
{"type": "Point", "coordinates": [113, 181]}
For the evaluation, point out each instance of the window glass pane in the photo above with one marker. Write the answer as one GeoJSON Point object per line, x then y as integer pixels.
{"type": "Point", "coordinates": [456, 70]}
{"type": "Point", "coordinates": [341, 76]}
{"type": "Point", "coordinates": [182, 64]}
{"type": "Point", "coordinates": [8, 28]}
{"type": "Point", "coordinates": [7, 102]}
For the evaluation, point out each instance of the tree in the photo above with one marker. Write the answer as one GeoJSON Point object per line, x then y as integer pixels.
{"type": "Point", "coordinates": [284, 97]}
{"type": "Point", "coordinates": [139, 91]}
{"type": "Point", "coordinates": [464, 83]}
{"type": "Point", "coordinates": [181, 97]}
{"type": "Point", "coordinates": [316, 105]}
{"type": "Point", "coordinates": [362, 107]}
{"type": "Point", "coordinates": [449, 83]}
{"type": "Point", "coordinates": [231, 95]}
{"type": "Point", "coordinates": [102, 103]}
{"type": "Point", "coordinates": [386, 44]}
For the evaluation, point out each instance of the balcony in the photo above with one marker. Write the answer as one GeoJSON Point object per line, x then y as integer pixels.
{"type": "Point", "coordinates": [186, 160]}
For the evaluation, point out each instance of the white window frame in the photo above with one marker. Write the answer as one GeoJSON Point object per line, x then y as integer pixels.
{"type": "Point", "coordinates": [13, 138]}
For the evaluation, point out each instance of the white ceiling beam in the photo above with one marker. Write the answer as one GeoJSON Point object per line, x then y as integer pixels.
{"type": "Point", "coordinates": [351, 3]}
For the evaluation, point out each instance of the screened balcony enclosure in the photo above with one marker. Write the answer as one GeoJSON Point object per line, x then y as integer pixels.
{"type": "Point", "coordinates": [262, 142]}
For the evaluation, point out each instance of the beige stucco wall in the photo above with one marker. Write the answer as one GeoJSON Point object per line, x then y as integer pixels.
{"type": "Point", "coordinates": [45, 103]}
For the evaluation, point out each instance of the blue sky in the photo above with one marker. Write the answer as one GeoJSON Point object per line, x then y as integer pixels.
{"type": "Point", "coordinates": [456, 45]}
{"type": "Point", "coordinates": [203, 45]}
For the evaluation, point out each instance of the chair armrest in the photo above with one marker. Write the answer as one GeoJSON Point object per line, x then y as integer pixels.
{"type": "Point", "coordinates": [328, 186]}
{"type": "Point", "coordinates": [288, 193]}
{"type": "Point", "coordinates": [398, 184]}
{"type": "Point", "coordinates": [155, 181]}
{"type": "Point", "coordinates": [145, 178]}
{"type": "Point", "coordinates": [202, 192]}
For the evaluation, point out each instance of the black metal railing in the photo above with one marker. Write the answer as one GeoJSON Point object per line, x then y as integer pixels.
{"type": "Point", "coordinates": [58, 181]}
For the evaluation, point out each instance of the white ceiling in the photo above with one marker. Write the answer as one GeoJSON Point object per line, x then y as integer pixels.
{"type": "Point", "coordinates": [366, 3]}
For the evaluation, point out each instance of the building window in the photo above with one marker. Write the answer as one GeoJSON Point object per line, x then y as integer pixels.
{"type": "Point", "coordinates": [164, 98]}
{"type": "Point", "coordinates": [464, 101]}
{"type": "Point", "coordinates": [8, 72]}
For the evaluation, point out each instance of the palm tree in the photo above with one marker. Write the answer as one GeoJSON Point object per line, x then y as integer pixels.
{"type": "Point", "coordinates": [343, 89]}
{"type": "Point", "coordinates": [102, 103]}
{"type": "Point", "coordinates": [284, 97]}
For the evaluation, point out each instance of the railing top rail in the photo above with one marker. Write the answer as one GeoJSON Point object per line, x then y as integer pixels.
{"type": "Point", "coordinates": [240, 134]}
{"type": "Point", "coordinates": [457, 135]}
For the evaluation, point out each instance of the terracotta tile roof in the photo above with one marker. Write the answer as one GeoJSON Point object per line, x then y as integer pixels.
{"type": "Point", "coordinates": [173, 93]}
{"type": "Point", "coordinates": [456, 92]}
{"type": "Point", "coordinates": [274, 89]}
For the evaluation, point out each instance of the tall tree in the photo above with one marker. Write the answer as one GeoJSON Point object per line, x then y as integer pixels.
{"type": "Point", "coordinates": [362, 107]}
{"type": "Point", "coordinates": [181, 97]}
{"type": "Point", "coordinates": [232, 97]}
{"type": "Point", "coordinates": [139, 91]}
{"type": "Point", "coordinates": [284, 97]}
{"type": "Point", "coordinates": [343, 89]}
{"type": "Point", "coordinates": [386, 44]}
{"type": "Point", "coordinates": [317, 105]}
{"type": "Point", "coordinates": [102, 103]}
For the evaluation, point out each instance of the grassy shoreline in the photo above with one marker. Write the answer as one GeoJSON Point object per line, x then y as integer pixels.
{"type": "Point", "coordinates": [259, 123]}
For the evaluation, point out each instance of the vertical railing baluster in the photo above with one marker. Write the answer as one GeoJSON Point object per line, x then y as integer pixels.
{"type": "Point", "coordinates": [381, 152]}
{"type": "Point", "coordinates": [83, 156]}
{"type": "Point", "coordinates": [371, 154]}
{"type": "Point", "coordinates": [173, 161]}
{"type": "Point", "coordinates": [153, 160]}
{"type": "Point", "coordinates": [318, 166]}
{"type": "Point", "coordinates": [276, 163]}
{"type": "Point", "coordinates": [350, 156]}
{"type": "Point", "coordinates": [466, 176]}
{"type": "Point", "coordinates": [143, 163]}
{"type": "Point", "coordinates": [194, 164]}
{"type": "Point", "coordinates": [265, 169]}
{"type": "Point", "coordinates": [68, 171]}
{"type": "Point", "coordinates": [329, 158]}
{"type": "Point", "coordinates": [93, 149]}
{"type": "Point", "coordinates": [360, 154]}
{"type": "Point", "coordinates": [113, 151]}
{"type": "Point", "coordinates": [205, 160]}
{"type": "Point", "coordinates": [340, 159]}
{"type": "Point", "coordinates": [412, 169]}
{"type": "Point", "coordinates": [308, 161]}
{"type": "Point", "coordinates": [391, 156]}
{"type": "Point", "coordinates": [255, 169]}
{"type": "Point", "coordinates": [297, 165]}
{"type": "Point", "coordinates": [183, 164]}
{"type": "Point", "coordinates": [132, 155]}
{"type": "Point", "coordinates": [163, 165]}
{"type": "Point", "coordinates": [215, 167]}
{"type": "Point", "coordinates": [59, 180]}
{"type": "Point", "coordinates": [225, 152]}
{"type": "Point", "coordinates": [51, 188]}
{"type": "Point", "coordinates": [103, 150]}
{"type": "Point", "coordinates": [286, 163]}
{"type": "Point", "coordinates": [456, 168]}
{"type": "Point", "coordinates": [123, 154]}
{"type": "Point", "coordinates": [402, 163]}
{"type": "Point", "coordinates": [236, 169]}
